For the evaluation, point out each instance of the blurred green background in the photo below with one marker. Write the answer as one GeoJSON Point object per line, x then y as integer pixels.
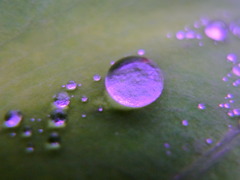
{"type": "Point", "coordinates": [44, 44]}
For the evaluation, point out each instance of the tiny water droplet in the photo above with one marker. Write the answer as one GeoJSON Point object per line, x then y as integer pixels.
{"type": "Point", "coordinates": [236, 83]}
{"type": "Point", "coordinates": [97, 77]}
{"type": "Point", "coordinates": [235, 28]}
{"type": "Point", "coordinates": [84, 115]}
{"type": "Point", "coordinates": [216, 30]}
{"type": "Point", "coordinates": [231, 101]}
{"type": "Point", "coordinates": [166, 145]}
{"type": "Point", "coordinates": [58, 118]}
{"type": "Point", "coordinates": [230, 114]}
{"type": "Point", "coordinates": [229, 96]}
{"type": "Point", "coordinates": [225, 79]}
{"type": "Point", "coordinates": [201, 106]}
{"type": "Point", "coordinates": [185, 122]}
{"type": "Point", "coordinates": [236, 70]}
{"type": "Point", "coordinates": [61, 100]}
{"type": "Point", "coordinates": [221, 105]}
{"type": "Point", "coordinates": [190, 34]}
{"type": "Point", "coordinates": [13, 118]}
{"type": "Point", "coordinates": [141, 52]}
{"type": "Point", "coordinates": [29, 148]}
{"type": "Point", "coordinates": [112, 62]}
{"type": "Point", "coordinates": [27, 131]}
{"type": "Point", "coordinates": [12, 134]}
{"type": "Point", "coordinates": [54, 141]}
{"type": "Point", "coordinates": [134, 82]}
{"type": "Point", "coordinates": [71, 85]}
{"type": "Point", "coordinates": [227, 105]}
{"type": "Point", "coordinates": [209, 141]}
{"type": "Point", "coordinates": [84, 99]}
{"type": "Point", "coordinates": [180, 35]}
{"type": "Point", "coordinates": [200, 44]}
{"type": "Point", "coordinates": [32, 119]}
{"type": "Point", "coordinates": [40, 131]}
{"type": "Point", "coordinates": [100, 108]}
{"type": "Point", "coordinates": [232, 57]}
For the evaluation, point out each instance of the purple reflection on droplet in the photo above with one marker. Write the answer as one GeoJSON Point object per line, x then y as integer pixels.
{"type": "Point", "coordinates": [71, 85]}
{"type": "Point", "coordinates": [141, 52]}
{"type": "Point", "coordinates": [13, 118]}
{"type": "Point", "coordinates": [190, 34]}
{"type": "Point", "coordinates": [166, 145]}
{"type": "Point", "coordinates": [61, 100]}
{"type": "Point", "coordinates": [134, 82]}
{"type": "Point", "coordinates": [201, 106]}
{"type": "Point", "coordinates": [216, 30]}
{"type": "Point", "coordinates": [232, 57]}
{"type": "Point", "coordinates": [236, 112]}
{"type": "Point", "coordinates": [209, 141]}
{"type": "Point", "coordinates": [236, 70]}
{"type": "Point", "coordinates": [97, 77]}
{"type": "Point", "coordinates": [185, 122]}
{"type": "Point", "coordinates": [180, 35]}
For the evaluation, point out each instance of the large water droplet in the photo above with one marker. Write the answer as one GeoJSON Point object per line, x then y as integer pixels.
{"type": "Point", "coordinates": [216, 30]}
{"type": "Point", "coordinates": [13, 118]}
{"type": "Point", "coordinates": [58, 118]}
{"type": "Point", "coordinates": [71, 85]}
{"type": "Point", "coordinates": [236, 70]}
{"type": "Point", "coordinates": [54, 141]}
{"type": "Point", "coordinates": [134, 82]}
{"type": "Point", "coordinates": [61, 100]}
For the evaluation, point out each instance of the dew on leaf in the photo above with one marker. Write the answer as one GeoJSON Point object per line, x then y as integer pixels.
{"type": "Point", "coordinates": [27, 131]}
{"type": "Point", "coordinates": [97, 77]}
{"type": "Point", "coordinates": [29, 148]}
{"type": "Point", "coordinates": [180, 35]}
{"type": "Point", "coordinates": [71, 85]}
{"type": "Point", "coordinates": [236, 70]}
{"type": "Point", "coordinates": [58, 118]}
{"type": "Point", "coordinates": [201, 106]}
{"type": "Point", "coordinates": [209, 141]}
{"type": "Point", "coordinates": [100, 109]}
{"type": "Point", "coordinates": [236, 111]}
{"type": "Point", "coordinates": [53, 142]}
{"type": "Point", "coordinates": [216, 30]}
{"type": "Point", "coordinates": [84, 98]}
{"type": "Point", "coordinates": [61, 100]}
{"type": "Point", "coordinates": [134, 82]}
{"type": "Point", "coordinates": [13, 118]}
{"type": "Point", "coordinates": [232, 57]}
{"type": "Point", "coordinates": [84, 115]}
{"type": "Point", "coordinates": [141, 52]}
{"type": "Point", "coordinates": [185, 122]}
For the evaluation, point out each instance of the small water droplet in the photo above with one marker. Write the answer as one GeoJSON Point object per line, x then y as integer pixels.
{"type": "Point", "coordinates": [201, 106]}
{"type": "Point", "coordinates": [235, 28]}
{"type": "Point", "coordinates": [84, 115]}
{"type": "Point", "coordinates": [229, 96]}
{"type": "Point", "coordinates": [236, 70]}
{"type": "Point", "coordinates": [227, 105]}
{"type": "Point", "coordinates": [231, 101]}
{"type": "Point", "coordinates": [185, 122]}
{"type": "Point", "coordinates": [84, 98]}
{"type": "Point", "coordinates": [166, 145]}
{"type": "Point", "coordinates": [27, 131]}
{"type": "Point", "coordinates": [236, 83]}
{"type": "Point", "coordinates": [12, 134]}
{"type": "Point", "coordinates": [221, 105]}
{"type": "Point", "coordinates": [97, 77]}
{"type": "Point", "coordinates": [40, 131]}
{"type": "Point", "coordinates": [71, 85]}
{"type": "Point", "coordinates": [32, 119]}
{"type": "Point", "coordinates": [100, 108]}
{"type": "Point", "coordinates": [230, 114]}
{"type": "Point", "coordinates": [236, 112]}
{"type": "Point", "coordinates": [61, 100]}
{"type": "Point", "coordinates": [29, 148]}
{"type": "Point", "coordinates": [232, 57]}
{"type": "Point", "coordinates": [225, 79]}
{"type": "Point", "coordinates": [134, 82]}
{"type": "Point", "coordinates": [209, 141]}
{"type": "Point", "coordinates": [54, 141]}
{"type": "Point", "coordinates": [190, 34]}
{"type": "Point", "coordinates": [216, 30]}
{"type": "Point", "coordinates": [58, 118]}
{"type": "Point", "coordinates": [112, 63]}
{"type": "Point", "coordinates": [200, 44]}
{"type": "Point", "coordinates": [141, 52]}
{"type": "Point", "coordinates": [13, 118]}
{"type": "Point", "coordinates": [180, 35]}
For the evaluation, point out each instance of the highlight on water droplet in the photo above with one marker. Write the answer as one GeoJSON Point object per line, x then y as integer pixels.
{"type": "Point", "coordinates": [232, 57]}
{"type": "Point", "coordinates": [13, 118]}
{"type": "Point", "coordinates": [209, 141]}
{"type": "Point", "coordinates": [180, 35]}
{"type": "Point", "coordinates": [84, 98]}
{"type": "Point", "coordinates": [53, 142]}
{"type": "Point", "coordinates": [97, 77]}
{"type": "Point", "coordinates": [58, 118]}
{"type": "Point", "coordinates": [185, 122]}
{"type": "Point", "coordinates": [29, 148]}
{"type": "Point", "coordinates": [27, 131]}
{"type": "Point", "coordinates": [71, 85]}
{"type": "Point", "coordinates": [201, 106]}
{"type": "Point", "coordinates": [235, 28]}
{"type": "Point", "coordinates": [141, 52]}
{"type": "Point", "coordinates": [133, 82]}
{"type": "Point", "coordinates": [236, 112]}
{"type": "Point", "coordinates": [100, 108]}
{"type": "Point", "coordinates": [216, 30]}
{"type": "Point", "coordinates": [61, 100]}
{"type": "Point", "coordinates": [84, 115]}
{"type": "Point", "coordinates": [236, 70]}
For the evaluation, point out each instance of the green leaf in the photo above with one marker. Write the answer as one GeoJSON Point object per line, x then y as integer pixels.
{"type": "Point", "coordinates": [44, 44]}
